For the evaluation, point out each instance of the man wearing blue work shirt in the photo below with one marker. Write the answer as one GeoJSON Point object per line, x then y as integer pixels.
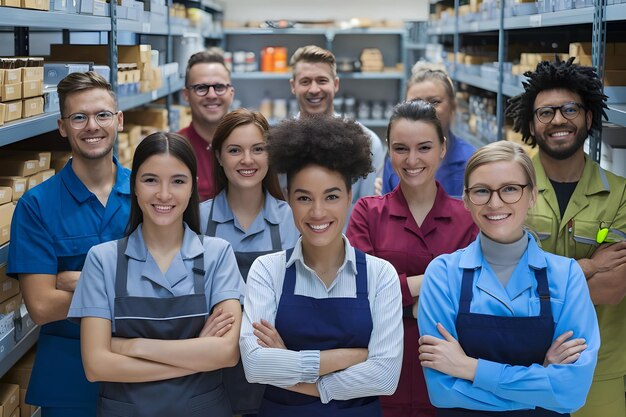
{"type": "Point", "coordinates": [54, 226]}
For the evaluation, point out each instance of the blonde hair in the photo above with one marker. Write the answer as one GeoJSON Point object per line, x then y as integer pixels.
{"type": "Point", "coordinates": [426, 71]}
{"type": "Point", "coordinates": [313, 54]}
{"type": "Point", "coordinates": [501, 151]}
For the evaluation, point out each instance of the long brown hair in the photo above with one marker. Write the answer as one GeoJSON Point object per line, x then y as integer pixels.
{"type": "Point", "coordinates": [231, 121]}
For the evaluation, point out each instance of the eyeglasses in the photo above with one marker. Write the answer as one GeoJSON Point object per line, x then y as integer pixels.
{"type": "Point", "coordinates": [103, 119]}
{"type": "Point", "coordinates": [568, 110]}
{"type": "Point", "coordinates": [509, 194]}
{"type": "Point", "coordinates": [202, 90]}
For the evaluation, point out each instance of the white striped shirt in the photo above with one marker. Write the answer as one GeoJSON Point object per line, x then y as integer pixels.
{"type": "Point", "coordinates": [378, 375]}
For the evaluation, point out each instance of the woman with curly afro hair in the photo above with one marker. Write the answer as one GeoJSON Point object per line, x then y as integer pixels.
{"type": "Point", "coordinates": [409, 227]}
{"type": "Point", "coordinates": [322, 326]}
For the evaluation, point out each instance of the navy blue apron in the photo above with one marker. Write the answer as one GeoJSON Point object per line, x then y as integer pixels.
{"type": "Point", "coordinates": [245, 397]}
{"type": "Point", "coordinates": [519, 341]}
{"type": "Point", "coordinates": [307, 323]}
{"type": "Point", "coordinates": [178, 317]}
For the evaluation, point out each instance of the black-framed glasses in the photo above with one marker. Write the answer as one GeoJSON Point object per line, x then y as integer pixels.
{"type": "Point", "coordinates": [509, 193]}
{"type": "Point", "coordinates": [569, 111]}
{"type": "Point", "coordinates": [103, 119]}
{"type": "Point", "coordinates": [202, 90]}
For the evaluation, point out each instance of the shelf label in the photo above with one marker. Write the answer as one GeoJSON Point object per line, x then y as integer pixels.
{"type": "Point", "coordinates": [535, 21]}
{"type": "Point", "coordinates": [145, 27]}
{"type": "Point", "coordinates": [155, 95]}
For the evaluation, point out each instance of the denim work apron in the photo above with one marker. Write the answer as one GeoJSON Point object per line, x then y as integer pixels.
{"type": "Point", "coordinates": [307, 323]}
{"type": "Point", "coordinates": [245, 398]}
{"type": "Point", "coordinates": [178, 317]}
{"type": "Point", "coordinates": [514, 341]}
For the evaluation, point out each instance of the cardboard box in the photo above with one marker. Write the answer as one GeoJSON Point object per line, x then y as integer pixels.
{"type": "Point", "coordinates": [47, 174]}
{"type": "Point", "coordinates": [10, 92]}
{"type": "Point", "coordinates": [32, 88]}
{"type": "Point", "coordinates": [9, 398]}
{"type": "Point", "coordinates": [32, 73]}
{"type": "Point", "coordinates": [17, 185]}
{"type": "Point", "coordinates": [6, 213]}
{"type": "Point", "coordinates": [32, 107]}
{"type": "Point", "coordinates": [6, 193]}
{"type": "Point", "coordinates": [11, 76]}
{"type": "Point", "coordinates": [2, 113]}
{"type": "Point", "coordinates": [9, 287]}
{"type": "Point", "coordinates": [99, 54]}
{"type": "Point", "coordinates": [17, 411]}
{"type": "Point", "coordinates": [13, 110]}
{"type": "Point", "coordinates": [43, 158]}
{"type": "Point", "coordinates": [146, 117]}
{"type": "Point", "coordinates": [25, 409]}
{"type": "Point", "coordinates": [34, 180]}
{"type": "Point", "coordinates": [10, 3]}
{"type": "Point", "coordinates": [12, 304]}
{"type": "Point", "coordinates": [11, 167]}
{"type": "Point", "coordinates": [20, 372]}
{"type": "Point", "coordinates": [36, 4]}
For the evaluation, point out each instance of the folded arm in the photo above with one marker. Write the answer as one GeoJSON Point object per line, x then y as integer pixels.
{"type": "Point", "coordinates": [48, 297]}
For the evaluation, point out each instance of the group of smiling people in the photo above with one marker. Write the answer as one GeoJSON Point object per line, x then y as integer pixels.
{"type": "Point", "coordinates": [329, 325]}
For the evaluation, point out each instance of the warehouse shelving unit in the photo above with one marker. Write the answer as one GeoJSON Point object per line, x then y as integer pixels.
{"type": "Point", "coordinates": [18, 341]}
{"type": "Point", "coordinates": [388, 85]}
{"type": "Point", "coordinates": [598, 16]}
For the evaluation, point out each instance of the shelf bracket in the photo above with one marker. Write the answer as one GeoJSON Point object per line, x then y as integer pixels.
{"type": "Point", "coordinates": [22, 41]}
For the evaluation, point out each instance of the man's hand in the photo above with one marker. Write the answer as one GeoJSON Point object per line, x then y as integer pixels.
{"type": "Point", "coordinates": [67, 280]}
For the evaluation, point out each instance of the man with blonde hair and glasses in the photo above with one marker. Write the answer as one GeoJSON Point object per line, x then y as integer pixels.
{"type": "Point", "coordinates": [209, 94]}
{"type": "Point", "coordinates": [315, 83]}
{"type": "Point", "coordinates": [581, 208]}
{"type": "Point", "coordinates": [54, 226]}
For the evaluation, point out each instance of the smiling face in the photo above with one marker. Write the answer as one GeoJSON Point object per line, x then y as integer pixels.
{"type": "Point", "coordinates": [416, 151]}
{"type": "Point", "coordinates": [211, 108]}
{"type": "Point", "coordinates": [92, 141]}
{"type": "Point", "coordinates": [561, 138]}
{"type": "Point", "coordinates": [498, 220]}
{"type": "Point", "coordinates": [163, 188]}
{"type": "Point", "coordinates": [243, 157]}
{"type": "Point", "coordinates": [314, 86]}
{"type": "Point", "coordinates": [434, 92]}
{"type": "Point", "coordinates": [320, 202]}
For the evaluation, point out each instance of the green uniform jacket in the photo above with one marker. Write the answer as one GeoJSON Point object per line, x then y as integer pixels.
{"type": "Point", "coordinates": [599, 197]}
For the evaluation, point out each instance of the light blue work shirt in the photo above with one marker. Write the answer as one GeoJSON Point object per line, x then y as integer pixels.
{"type": "Point", "coordinates": [54, 226]}
{"type": "Point", "coordinates": [502, 387]}
{"type": "Point", "coordinates": [258, 237]}
{"type": "Point", "coordinates": [95, 292]}
{"type": "Point", "coordinates": [450, 172]}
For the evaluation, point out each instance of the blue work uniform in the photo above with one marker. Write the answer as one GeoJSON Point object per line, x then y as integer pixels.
{"type": "Point", "coordinates": [509, 329]}
{"type": "Point", "coordinates": [126, 286]}
{"type": "Point", "coordinates": [331, 323]}
{"type": "Point", "coordinates": [450, 172]}
{"type": "Point", "coordinates": [274, 222]}
{"type": "Point", "coordinates": [54, 226]}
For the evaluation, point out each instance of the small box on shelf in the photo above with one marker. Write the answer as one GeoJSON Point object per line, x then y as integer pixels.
{"type": "Point", "coordinates": [6, 194]}
{"type": "Point", "coordinates": [9, 287]}
{"type": "Point", "coordinates": [17, 185]}
{"type": "Point", "coordinates": [36, 4]}
{"type": "Point", "coordinates": [32, 107]}
{"type": "Point", "coordinates": [13, 110]}
{"type": "Point", "coordinates": [9, 399]}
{"type": "Point", "coordinates": [6, 213]}
{"type": "Point", "coordinates": [10, 92]}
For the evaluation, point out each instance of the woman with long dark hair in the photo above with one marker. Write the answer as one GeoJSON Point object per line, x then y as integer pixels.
{"type": "Point", "coordinates": [144, 300]}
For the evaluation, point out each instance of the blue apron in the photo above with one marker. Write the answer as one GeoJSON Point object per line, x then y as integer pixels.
{"type": "Point", "coordinates": [178, 317]}
{"type": "Point", "coordinates": [244, 397]}
{"type": "Point", "coordinates": [514, 341]}
{"type": "Point", "coordinates": [307, 323]}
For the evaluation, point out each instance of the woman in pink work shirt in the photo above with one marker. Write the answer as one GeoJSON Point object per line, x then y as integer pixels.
{"type": "Point", "coordinates": [409, 227]}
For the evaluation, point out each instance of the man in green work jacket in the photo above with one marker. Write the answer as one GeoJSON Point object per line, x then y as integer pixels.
{"type": "Point", "coordinates": [581, 208]}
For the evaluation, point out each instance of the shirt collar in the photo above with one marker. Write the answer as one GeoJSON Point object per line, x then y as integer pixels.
{"type": "Point", "coordinates": [191, 247]}
{"type": "Point", "coordinates": [222, 212]}
{"type": "Point", "coordinates": [348, 262]}
{"type": "Point", "coordinates": [81, 193]}
{"type": "Point", "coordinates": [473, 256]}
{"type": "Point", "coordinates": [591, 181]}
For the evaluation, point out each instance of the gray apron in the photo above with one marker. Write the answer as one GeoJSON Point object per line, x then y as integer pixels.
{"type": "Point", "coordinates": [178, 317]}
{"type": "Point", "coordinates": [245, 398]}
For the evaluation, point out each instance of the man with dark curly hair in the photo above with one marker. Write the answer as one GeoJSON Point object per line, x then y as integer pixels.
{"type": "Point", "coordinates": [322, 322]}
{"type": "Point", "coordinates": [581, 208]}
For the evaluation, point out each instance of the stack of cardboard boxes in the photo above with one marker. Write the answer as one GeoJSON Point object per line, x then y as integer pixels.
{"type": "Point", "coordinates": [18, 377]}
{"type": "Point", "coordinates": [21, 88]}
{"type": "Point", "coordinates": [27, 4]}
{"type": "Point", "coordinates": [137, 125]}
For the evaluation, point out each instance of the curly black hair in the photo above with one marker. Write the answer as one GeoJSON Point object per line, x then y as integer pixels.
{"type": "Point", "coordinates": [336, 144]}
{"type": "Point", "coordinates": [558, 74]}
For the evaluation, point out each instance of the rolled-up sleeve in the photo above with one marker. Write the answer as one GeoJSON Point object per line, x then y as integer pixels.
{"type": "Point", "coordinates": [380, 373]}
{"type": "Point", "coordinates": [279, 367]}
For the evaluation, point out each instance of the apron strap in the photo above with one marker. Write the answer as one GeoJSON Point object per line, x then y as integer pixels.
{"type": "Point", "coordinates": [275, 234]}
{"type": "Point", "coordinates": [121, 273]}
{"type": "Point", "coordinates": [361, 274]}
{"type": "Point", "coordinates": [466, 290]}
{"type": "Point", "coordinates": [289, 284]}
{"type": "Point", "coordinates": [211, 225]}
{"type": "Point", "coordinates": [544, 292]}
{"type": "Point", "coordinates": [198, 271]}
